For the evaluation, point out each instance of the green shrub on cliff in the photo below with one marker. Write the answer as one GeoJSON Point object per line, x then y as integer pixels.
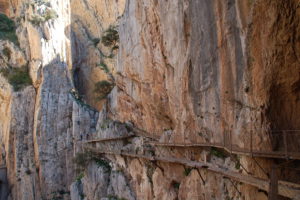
{"type": "Point", "coordinates": [110, 37]}
{"type": "Point", "coordinates": [104, 67]}
{"type": "Point", "coordinates": [6, 52]}
{"type": "Point", "coordinates": [187, 171]}
{"type": "Point", "coordinates": [82, 160]}
{"type": "Point", "coordinates": [50, 14]}
{"type": "Point", "coordinates": [41, 2]}
{"type": "Point", "coordinates": [46, 16]}
{"type": "Point", "coordinates": [113, 197]}
{"type": "Point", "coordinates": [8, 29]}
{"type": "Point", "coordinates": [17, 77]}
{"type": "Point", "coordinates": [218, 153]}
{"type": "Point", "coordinates": [96, 41]}
{"type": "Point", "coordinates": [103, 88]}
{"type": "Point", "coordinates": [36, 20]}
{"type": "Point", "coordinates": [175, 184]}
{"type": "Point", "coordinates": [80, 176]}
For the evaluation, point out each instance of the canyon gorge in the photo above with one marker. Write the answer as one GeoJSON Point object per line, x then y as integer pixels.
{"type": "Point", "coordinates": [149, 99]}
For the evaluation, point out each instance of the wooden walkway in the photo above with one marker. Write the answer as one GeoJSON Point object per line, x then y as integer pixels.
{"type": "Point", "coordinates": [142, 133]}
{"type": "Point", "coordinates": [233, 150]}
{"type": "Point", "coordinates": [110, 139]}
{"type": "Point", "coordinates": [285, 189]}
{"type": "Point", "coordinates": [236, 150]}
{"type": "Point", "coordinates": [227, 144]}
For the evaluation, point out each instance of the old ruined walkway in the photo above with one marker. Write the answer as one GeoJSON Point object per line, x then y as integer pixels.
{"type": "Point", "coordinates": [283, 188]}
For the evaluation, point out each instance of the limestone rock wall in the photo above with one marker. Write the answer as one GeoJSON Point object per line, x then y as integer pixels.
{"type": "Point", "coordinates": [42, 123]}
{"type": "Point", "coordinates": [89, 19]}
{"type": "Point", "coordinates": [205, 68]}
{"type": "Point", "coordinates": [4, 6]}
{"type": "Point", "coordinates": [185, 71]}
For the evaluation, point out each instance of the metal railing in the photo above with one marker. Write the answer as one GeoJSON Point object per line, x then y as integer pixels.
{"type": "Point", "coordinates": [271, 144]}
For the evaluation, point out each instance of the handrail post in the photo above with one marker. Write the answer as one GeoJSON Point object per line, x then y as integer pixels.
{"type": "Point", "coordinates": [273, 187]}
{"type": "Point", "coordinates": [231, 141]}
{"type": "Point", "coordinates": [184, 137]}
{"type": "Point", "coordinates": [224, 139]}
{"type": "Point", "coordinates": [251, 138]}
{"type": "Point", "coordinates": [152, 134]}
{"type": "Point", "coordinates": [285, 144]}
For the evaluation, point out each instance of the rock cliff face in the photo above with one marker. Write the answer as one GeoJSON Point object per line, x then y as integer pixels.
{"type": "Point", "coordinates": [180, 71]}
{"type": "Point", "coordinates": [204, 67]}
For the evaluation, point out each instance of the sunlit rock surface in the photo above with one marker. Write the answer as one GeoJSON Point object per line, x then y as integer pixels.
{"type": "Point", "coordinates": [185, 71]}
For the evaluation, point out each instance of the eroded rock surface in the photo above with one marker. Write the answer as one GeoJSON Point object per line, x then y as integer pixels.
{"type": "Point", "coordinates": [183, 71]}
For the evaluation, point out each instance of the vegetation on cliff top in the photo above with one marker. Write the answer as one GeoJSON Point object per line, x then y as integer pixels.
{"type": "Point", "coordinates": [17, 77]}
{"type": "Point", "coordinates": [8, 29]}
{"type": "Point", "coordinates": [46, 16]}
{"type": "Point", "coordinates": [44, 12]}
{"type": "Point", "coordinates": [40, 2]}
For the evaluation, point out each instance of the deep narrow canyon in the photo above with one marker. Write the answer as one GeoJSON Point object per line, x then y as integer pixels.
{"type": "Point", "coordinates": [149, 99]}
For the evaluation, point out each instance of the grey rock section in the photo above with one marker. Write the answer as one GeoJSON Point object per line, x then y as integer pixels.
{"type": "Point", "coordinates": [119, 186]}
{"type": "Point", "coordinates": [53, 125]}
{"type": "Point", "coordinates": [4, 189]}
{"type": "Point", "coordinates": [217, 68]}
{"type": "Point", "coordinates": [96, 181]}
{"type": "Point", "coordinates": [20, 147]}
{"type": "Point", "coordinates": [100, 183]}
{"type": "Point", "coordinates": [76, 190]}
{"type": "Point", "coordinates": [61, 124]}
{"type": "Point", "coordinates": [204, 62]}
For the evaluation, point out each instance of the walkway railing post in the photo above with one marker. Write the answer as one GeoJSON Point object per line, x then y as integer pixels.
{"type": "Point", "coordinates": [224, 140]}
{"type": "Point", "coordinates": [231, 141]}
{"type": "Point", "coordinates": [273, 188]}
{"type": "Point", "coordinates": [285, 144]}
{"type": "Point", "coordinates": [251, 138]}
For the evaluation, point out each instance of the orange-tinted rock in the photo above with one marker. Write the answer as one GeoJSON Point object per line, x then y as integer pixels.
{"type": "Point", "coordinates": [186, 70]}
{"type": "Point", "coordinates": [4, 6]}
{"type": "Point", "coordinates": [204, 69]}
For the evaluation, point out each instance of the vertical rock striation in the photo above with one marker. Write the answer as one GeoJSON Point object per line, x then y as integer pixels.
{"type": "Point", "coordinates": [183, 71]}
